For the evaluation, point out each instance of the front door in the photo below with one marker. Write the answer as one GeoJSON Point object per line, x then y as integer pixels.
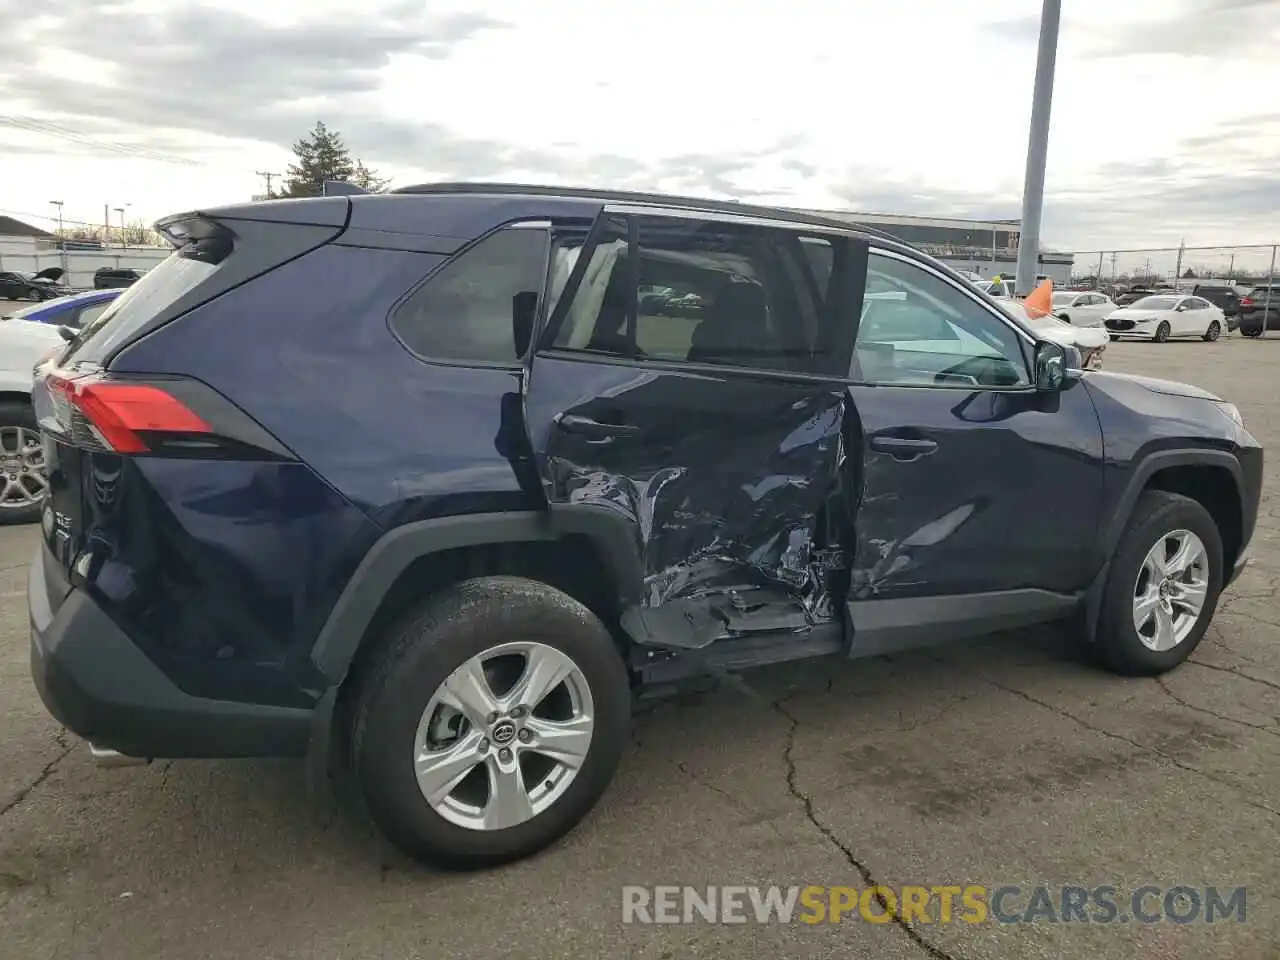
{"type": "Point", "coordinates": [688, 388]}
{"type": "Point", "coordinates": [978, 491]}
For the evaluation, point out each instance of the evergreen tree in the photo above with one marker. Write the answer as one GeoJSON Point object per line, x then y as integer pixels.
{"type": "Point", "coordinates": [368, 179]}
{"type": "Point", "coordinates": [321, 156]}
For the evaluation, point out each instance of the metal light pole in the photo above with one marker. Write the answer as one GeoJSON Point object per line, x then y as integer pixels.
{"type": "Point", "coordinates": [1038, 147]}
{"type": "Point", "coordinates": [120, 210]}
{"type": "Point", "coordinates": [62, 240]}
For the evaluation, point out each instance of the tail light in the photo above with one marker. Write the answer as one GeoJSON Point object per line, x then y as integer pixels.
{"type": "Point", "coordinates": [117, 417]}
{"type": "Point", "coordinates": [1246, 301]}
{"type": "Point", "coordinates": [161, 416]}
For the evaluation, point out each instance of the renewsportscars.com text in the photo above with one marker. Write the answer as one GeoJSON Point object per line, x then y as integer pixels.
{"type": "Point", "coordinates": [939, 904]}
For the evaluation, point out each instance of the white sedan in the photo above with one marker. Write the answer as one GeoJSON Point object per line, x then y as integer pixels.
{"type": "Point", "coordinates": [1085, 309]}
{"type": "Point", "coordinates": [1162, 316]}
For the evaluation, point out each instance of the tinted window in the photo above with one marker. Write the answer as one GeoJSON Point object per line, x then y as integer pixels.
{"type": "Point", "coordinates": [918, 329]}
{"type": "Point", "coordinates": [702, 292]}
{"type": "Point", "coordinates": [464, 312]}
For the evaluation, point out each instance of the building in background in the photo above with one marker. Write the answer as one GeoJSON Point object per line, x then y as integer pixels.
{"type": "Point", "coordinates": [982, 247]}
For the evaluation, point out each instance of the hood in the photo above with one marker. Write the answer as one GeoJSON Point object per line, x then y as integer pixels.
{"type": "Point", "coordinates": [1068, 334]}
{"type": "Point", "coordinates": [17, 330]}
{"type": "Point", "coordinates": [1170, 388]}
{"type": "Point", "coordinates": [1071, 335]}
{"type": "Point", "coordinates": [53, 274]}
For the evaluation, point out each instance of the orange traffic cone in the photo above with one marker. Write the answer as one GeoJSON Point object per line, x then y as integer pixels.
{"type": "Point", "coordinates": [1040, 302]}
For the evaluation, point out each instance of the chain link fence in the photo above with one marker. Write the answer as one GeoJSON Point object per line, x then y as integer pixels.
{"type": "Point", "coordinates": [1250, 270]}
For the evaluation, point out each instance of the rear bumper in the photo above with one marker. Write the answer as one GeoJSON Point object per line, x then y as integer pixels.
{"type": "Point", "coordinates": [98, 684]}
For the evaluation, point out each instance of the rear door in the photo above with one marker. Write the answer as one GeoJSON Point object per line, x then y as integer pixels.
{"type": "Point", "coordinates": [978, 493]}
{"type": "Point", "coordinates": [710, 435]}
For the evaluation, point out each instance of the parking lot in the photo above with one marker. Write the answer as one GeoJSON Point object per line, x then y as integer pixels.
{"type": "Point", "coordinates": [1010, 761]}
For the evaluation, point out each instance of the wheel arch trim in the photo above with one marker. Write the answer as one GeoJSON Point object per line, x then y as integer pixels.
{"type": "Point", "coordinates": [339, 639]}
{"type": "Point", "coordinates": [1139, 476]}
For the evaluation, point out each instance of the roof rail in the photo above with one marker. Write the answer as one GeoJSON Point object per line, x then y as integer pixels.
{"type": "Point", "coordinates": [658, 199]}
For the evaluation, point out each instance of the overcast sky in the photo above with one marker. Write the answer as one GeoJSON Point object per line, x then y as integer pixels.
{"type": "Point", "coordinates": [1166, 113]}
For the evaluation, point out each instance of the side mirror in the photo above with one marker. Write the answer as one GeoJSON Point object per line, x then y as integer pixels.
{"type": "Point", "coordinates": [524, 311]}
{"type": "Point", "coordinates": [1056, 364]}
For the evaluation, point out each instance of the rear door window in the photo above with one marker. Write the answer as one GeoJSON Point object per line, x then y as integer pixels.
{"type": "Point", "coordinates": [465, 311]}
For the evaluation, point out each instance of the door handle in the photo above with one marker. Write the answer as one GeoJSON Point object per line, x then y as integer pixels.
{"type": "Point", "coordinates": [903, 448]}
{"type": "Point", "coordinates": [594, 429]}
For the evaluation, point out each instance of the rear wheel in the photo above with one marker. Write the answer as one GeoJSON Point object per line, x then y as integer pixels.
{"type": "Point", "coordinates": [1251, 331]}
{"type": "Point", "coordinates": [1162, 586]}
{"type": "Point", "coordinates": [1214, 331]}
{"type": "Point", "coordinates": [1162, 332]}
{"type": "Point", "coordinates": [23, 484]}
{"type": "Point", "coordinates": [490, 723]}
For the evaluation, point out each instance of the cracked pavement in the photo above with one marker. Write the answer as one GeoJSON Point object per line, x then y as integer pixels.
{"type": "Point", "coordinates": [1010, 760]}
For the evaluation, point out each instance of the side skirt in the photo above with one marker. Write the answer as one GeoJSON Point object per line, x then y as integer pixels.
{"type": "Point", "coordinates": [886, 626]}
{"type": "Point", "coordinates": [660, 667]}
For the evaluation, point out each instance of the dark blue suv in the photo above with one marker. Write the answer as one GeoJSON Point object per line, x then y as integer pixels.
{"type": "Point", "coordinates": [423, 481]}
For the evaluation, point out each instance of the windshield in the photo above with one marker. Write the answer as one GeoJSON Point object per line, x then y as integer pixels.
{"type": "Point", "coordinates": [1155, 303]}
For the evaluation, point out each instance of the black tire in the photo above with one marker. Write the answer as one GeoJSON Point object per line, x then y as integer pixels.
{"type": "Point", "coordinates": [1156, 514]}
{"type": "Point", "coordinates": [1252, 332]}
{"type": "Point", "coordinates": [1213, 333]}
{"type": "Point", "coordinates": [14, 413]}
{"type": "Point", "coordinates": [1162, 332]}
{"type": "Point", "coordinates": [416, 657]}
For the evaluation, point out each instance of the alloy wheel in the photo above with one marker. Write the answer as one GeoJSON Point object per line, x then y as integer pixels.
{"type": "Point", "coordinates": [504, 736]}
{"type": "Point", "coordinates": [1170, 591]}
{"type": "Point", "coordinates": [22, 468]}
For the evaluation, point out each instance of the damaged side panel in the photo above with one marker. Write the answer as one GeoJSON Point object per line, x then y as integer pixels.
{"type": "Point", "coordinates": [724, 481]}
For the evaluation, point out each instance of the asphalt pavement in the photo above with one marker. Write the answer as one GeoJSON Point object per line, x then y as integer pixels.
{"type": "Point", "coordinates": [1007, 762]}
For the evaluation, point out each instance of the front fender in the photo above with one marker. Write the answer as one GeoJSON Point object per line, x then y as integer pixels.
{"type": "Point", "coordinates": [1138, 478]}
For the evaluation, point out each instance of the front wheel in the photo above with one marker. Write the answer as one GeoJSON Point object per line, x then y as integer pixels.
{"type": "Point", "coordinates": [1162, 332]}
{"type": "Point", "coordinates": [490, 722]}
{"type": "Point", "coordinates": [1162, 586]}
{"type": "Point", "coordinates": [1214, 331]}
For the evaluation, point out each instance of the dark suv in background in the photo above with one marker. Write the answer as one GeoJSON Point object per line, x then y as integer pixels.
{"type": "Point", "coordinates": [469, 495]}
{"type": "Point", "coordinates": [105, 278]}
{"type": "Point", "coordinates": [1260, 310]}
{"type": "Point", "coordinates": [1225, 298]}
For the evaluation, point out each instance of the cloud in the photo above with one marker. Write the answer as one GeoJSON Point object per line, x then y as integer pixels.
{"type": "Point", "coordinates": [1195, 28]}
{"type": "Point", "coordinates": [1017, 30]}
{"type": "Point", "coordinates": [215, 70]}
{"type": "Point", "coordinates": [420, 93]}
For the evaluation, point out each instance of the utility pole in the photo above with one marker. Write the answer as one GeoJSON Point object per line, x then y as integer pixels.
{"type": "Point", "coordinates": [62, 240]}
{"type": "Point", "coordinates": [268, 176]}
{"type": "Point", "coordinates": [120, 210]}
{"type": "Point", "coordinates": [1038, 147]}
